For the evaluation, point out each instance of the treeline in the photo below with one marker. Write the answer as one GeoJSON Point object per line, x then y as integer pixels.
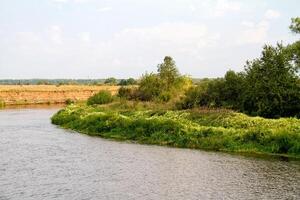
{"type": "Point", "coordinates": [108, 81]}
{"type": "Point", "coordinates": [269, 86]}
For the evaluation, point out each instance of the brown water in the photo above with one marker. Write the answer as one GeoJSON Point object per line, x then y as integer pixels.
{"type": "Point", "coordinates": [41, 161]}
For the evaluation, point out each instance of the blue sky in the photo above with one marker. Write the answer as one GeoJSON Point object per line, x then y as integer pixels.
{"type": "Point", "coordinates": [126, 38]}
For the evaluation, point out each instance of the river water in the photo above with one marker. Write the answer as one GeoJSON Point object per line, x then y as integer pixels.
{"type": "Point", "coordinates": [41, 161]}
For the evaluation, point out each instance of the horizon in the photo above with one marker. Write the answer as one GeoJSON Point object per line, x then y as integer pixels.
{"type": "Point", "coordinates": [88, 39]}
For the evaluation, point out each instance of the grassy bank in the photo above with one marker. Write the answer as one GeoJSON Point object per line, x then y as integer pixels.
{"type": "Point", "coordinates": [219, 130]}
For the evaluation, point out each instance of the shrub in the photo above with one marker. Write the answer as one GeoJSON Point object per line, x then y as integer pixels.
{"type": "Point", "coordinates": [129, 93]}
{"type": "Point", "coordinates": [150, 87]}
{"type": "Point", "coordinates": [101, 97]}
{"type": "Point", "coordinates": [69, 101]}
{"type": "Point", "coordinates": [165, 96]}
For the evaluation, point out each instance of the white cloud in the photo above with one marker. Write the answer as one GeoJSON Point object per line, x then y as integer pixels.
{"type": "Point", "coordinates": [70, 1]}
{"type": "Point", "coordinates": [104, 9]}
{"type": "Point", "coordinates": [272, 14]}
{"type": "Point", "coordinates": [192, 8]}
{"type": "Point", "coordinates": [55, 34]}
{"type": "Point", "coordinates": [224, 6]}
{"type": "Point", "coordinates": [60, 1]}
{"type": "Point", "coordinates": [145, 46]}
{"type": "Point", "coordinates": [254, 33]}
{"type": "Point", "coordinates": [248, 24]}
{"type": "Point", "coordinates": [85, 36]}
{"type": "Point", "coordinates": [179, 33]}
{"type": "Point", "coordinates": [28, 37]}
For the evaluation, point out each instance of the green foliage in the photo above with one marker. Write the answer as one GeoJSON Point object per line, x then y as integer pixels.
{"type": "Point", "coordinates": [293, 53]}
{"type": "Point", "coordinates": [215, 130]}
{"type": "Point", "coordinates": [129, 93]}
{"type": "Point", "coordinates": [43, 82]}
{"type": "Point", "coordinates": [101, 97]}
{"type": "Point", "coordinates": [271, 88]}
{"type": "Point", "coordinates": [130, 81]}
{"type": "Point", "coordinates": [150, 87]}
{"type": "Point", "coordinates": [110, 81]}
{"type": "Point", "coordinates": [295, 25]}
{"type": "Point", "coordinates": [164, 85]}
{"type": "Point", "coordinates": [168, 72]}
{"type": "Point", "coordinates": [268, 87]}
{"type": "Point", "coordinates": [220, 92]}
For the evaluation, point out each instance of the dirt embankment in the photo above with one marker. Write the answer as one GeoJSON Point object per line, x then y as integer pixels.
{"type": "Point", "coordinates": [48, 94]}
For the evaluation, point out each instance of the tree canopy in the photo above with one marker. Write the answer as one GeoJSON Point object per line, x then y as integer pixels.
{"type": "Point", "coordinates": [269, 86]}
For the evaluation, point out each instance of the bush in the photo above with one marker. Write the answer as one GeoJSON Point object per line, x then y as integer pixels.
{"type": "Point", "coordinates": [101, 97]}
{"type": "Point", "coordinates": [69, 101]}
{"type": "Point", "coordinates": [165, 96]}
{"type": "Point", "coordinates": [150, 87]}
{"type": "Point", "coordinates": [129, 93]}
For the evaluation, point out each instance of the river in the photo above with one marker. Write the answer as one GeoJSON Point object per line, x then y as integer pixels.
{"type": "Point", "coordinates": [41, 161]}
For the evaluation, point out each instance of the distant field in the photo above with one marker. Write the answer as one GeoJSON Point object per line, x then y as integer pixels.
{"type": "Point", "coordinates": [41, 94]}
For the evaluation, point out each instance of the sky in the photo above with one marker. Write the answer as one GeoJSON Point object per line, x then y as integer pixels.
{"type": "Point", "coordinates": [126, 38]}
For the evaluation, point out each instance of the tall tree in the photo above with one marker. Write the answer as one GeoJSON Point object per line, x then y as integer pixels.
{"type": "Point", "coordinates": [168, 72]}
{"type": "Point", "coordinates": [272, 85]}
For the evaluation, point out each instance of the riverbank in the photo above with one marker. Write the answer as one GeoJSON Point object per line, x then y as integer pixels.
{"type": "Point", "coordinates": [218, 130]}
{"type": "Point", "coordinates": [48, 94]}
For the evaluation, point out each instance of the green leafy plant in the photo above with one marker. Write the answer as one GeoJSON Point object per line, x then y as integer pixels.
{"type": "Point", "coordinates": [101, 97]}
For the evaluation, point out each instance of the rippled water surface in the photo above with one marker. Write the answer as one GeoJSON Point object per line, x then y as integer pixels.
{"type": "Point", "coordinates": [40, 161]}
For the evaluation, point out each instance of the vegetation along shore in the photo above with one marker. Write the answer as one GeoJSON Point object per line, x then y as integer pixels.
{"type": "Point", "coordinates": [256, 110]}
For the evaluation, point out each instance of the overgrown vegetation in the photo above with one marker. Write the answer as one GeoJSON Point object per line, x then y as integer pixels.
{"type": "Point", "coordinates": [101, 97]}
{"type": "Point", "coordinates": [219, 130]}
{"type": "Point", "coordinates": [166, 109]}
{"type": "Point", "coordinates": [162, 86]}
{"type": "Point", "coordinates": [269, 86]}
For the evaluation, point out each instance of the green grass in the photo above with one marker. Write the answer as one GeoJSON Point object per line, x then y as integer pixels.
{"type": "Point", "coordinates": [219, 130]}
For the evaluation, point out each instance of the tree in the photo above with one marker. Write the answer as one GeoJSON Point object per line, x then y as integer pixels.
{"type": "Point", "coordinates": [129, 81]}
{"type": "Point", "coordinates": [150, 87]}
{"type": "Point", "coordinates": [233, 89]}
{"type": "Point", "coordinates": [165, 85]}
{"type": "Point", "coordinates": [111, 81]}
{"type": "Point", "coordinates": [168, 72]}
{"type": "Point", "coordinates": [295, 25]}
{"type": "Point", "coordinates": [271, 85]}
{"type": "Point", "coordinates": [293, 50]}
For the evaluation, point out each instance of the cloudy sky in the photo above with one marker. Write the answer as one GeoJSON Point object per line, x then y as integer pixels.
{"type": "Point", "coordinates": [125, 38]}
